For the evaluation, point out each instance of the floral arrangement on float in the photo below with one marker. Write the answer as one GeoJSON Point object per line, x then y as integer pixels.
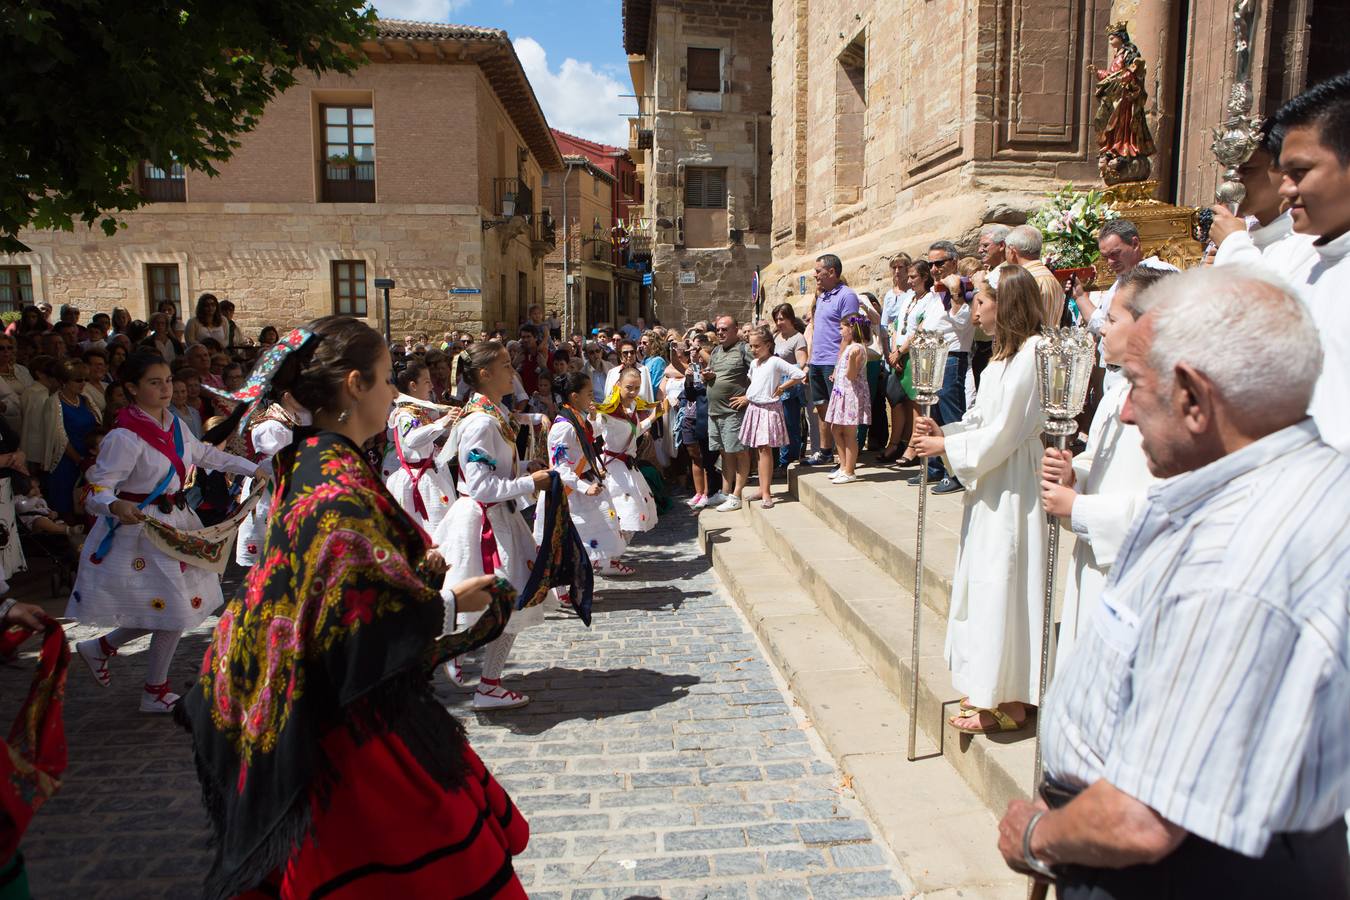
{"type": "Point", "coordinates": [1069, 222]}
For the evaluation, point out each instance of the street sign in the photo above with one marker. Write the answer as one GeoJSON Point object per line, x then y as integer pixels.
{"type": "Point", "coordinates": [464, 290]}
{"type": "Point", "coordinates": [646, 278]}
{"type": "Point", "coordinates": [687, 278]}
{"type": "Point", "coordinates": [801, 284]}
{"type": "Point", "coordinates": [754, 288]}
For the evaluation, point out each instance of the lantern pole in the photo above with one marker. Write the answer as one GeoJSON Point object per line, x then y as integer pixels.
{"type": "Point", "coordinates": [927, 364]}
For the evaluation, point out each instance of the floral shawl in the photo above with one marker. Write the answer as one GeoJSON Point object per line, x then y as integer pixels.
{"type": "Point", "coordinates": [337, 628]}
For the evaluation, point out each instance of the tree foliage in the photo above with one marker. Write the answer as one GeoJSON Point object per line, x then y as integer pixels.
{"type": "Point", "coordinates": [92, 87]}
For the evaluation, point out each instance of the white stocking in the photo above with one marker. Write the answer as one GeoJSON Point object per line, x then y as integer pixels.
{"type": "Point", "coordinates": [494, 657]}
{"type": "Point", "coordinates": [162, 646]}
{"type": "Point", "coordinates": [120, 636]}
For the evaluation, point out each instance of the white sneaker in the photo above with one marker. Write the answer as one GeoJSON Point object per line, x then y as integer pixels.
{"type": "Point", "coordinates": [692, 502]}
{"type": "Point", "coordinates": [715, 500]}
{"type": "Point", "coordinates": [841, 478]}
{"type": "Point", "coordinates": [158, 699]}
{"type": "Point", "coordinates": [455, 672]}
{"type": "Point", "coordinates": [700, 502]}
{"type": "Point", "coordinates": [731, 504]}
{"type": "Point", "coordinates": [497, 697]}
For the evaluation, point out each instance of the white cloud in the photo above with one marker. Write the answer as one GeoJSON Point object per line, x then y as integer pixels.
{"type": "Point", "coordinates": [419, 10]}
{"type": "Point", "coordinates": [578, 98]}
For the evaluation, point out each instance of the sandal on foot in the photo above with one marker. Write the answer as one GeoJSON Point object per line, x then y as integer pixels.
{"type": "Point", "coordinates": [766, 504]}
{"type": "Point", "coordinates": [96, 652]}
{"type": "Point", "coordinates": [1002, 722]}
{"type": "Point", "coordinates": [618, 568]}
{"type": "Point", "coordinates": [455, 672]}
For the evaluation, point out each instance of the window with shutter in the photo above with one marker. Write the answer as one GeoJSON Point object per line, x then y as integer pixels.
{"type": "Point", "coordinates": [704, 70]}
{"type": "Point", "coordinates": [705, 188]}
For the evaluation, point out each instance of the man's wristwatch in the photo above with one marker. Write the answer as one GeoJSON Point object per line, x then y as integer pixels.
{"type": "Point", "coordinates": [1028, 857]}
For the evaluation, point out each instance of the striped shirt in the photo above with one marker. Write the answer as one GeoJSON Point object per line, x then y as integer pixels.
{"type": "Point", "coordinates": [1214, 682]}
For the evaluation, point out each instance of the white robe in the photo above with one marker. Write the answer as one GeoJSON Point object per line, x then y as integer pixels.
{"type": "Point", "coordinates": [269, 438]}
{"type": "Point", "coordinates": [498, 481]}
{"type": "Point", "coordinates": [632, 497]}
{"type": "Point", "coordinates": [1112, 479]}
{"type": "Point", "coordinates": [1322, 288]}
{"type": "Point", "coordinates": [594, 517]}
{"type": "Point", "coordinates": [994, 625]}
{"type": "Point", "coordinates": [418, 442]}
{"type": "Point", "coordinates": [136, 585]}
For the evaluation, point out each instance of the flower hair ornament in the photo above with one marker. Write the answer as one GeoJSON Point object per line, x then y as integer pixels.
{"type": "Point", "coordinates": [257, 391]}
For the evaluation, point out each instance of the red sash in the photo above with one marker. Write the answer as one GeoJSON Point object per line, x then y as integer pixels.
{"type": "Point", "coordinates": [135, 420]}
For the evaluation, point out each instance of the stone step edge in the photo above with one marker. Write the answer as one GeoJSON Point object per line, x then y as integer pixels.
{"type": "Point", "coordinates": [894, 556]}
{"type": "Point", "coordinates": [971, 863]}
{"type": "Point", "coordinates": [998, 771]}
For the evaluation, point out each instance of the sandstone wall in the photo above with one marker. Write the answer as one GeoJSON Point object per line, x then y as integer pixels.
{"type": "Point", "coordinates": [972, 111]}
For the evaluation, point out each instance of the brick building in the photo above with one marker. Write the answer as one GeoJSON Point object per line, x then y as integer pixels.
{"type": "Point", "coordinates": [701, 142]}
{"type": "Point", "coordinates": [403, 169]}
{"type": "Point", "coordinates": [897, 124]}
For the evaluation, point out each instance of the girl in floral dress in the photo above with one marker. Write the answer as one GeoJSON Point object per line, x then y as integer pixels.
{"type": "Point", "coordinates": [617, 423]}
{"type": "Point", "coordinates": [850, 401]}
{"type": "Point", "coordinates": [573, 455]}
{"type": "Point", "coordinates": [123, 579]}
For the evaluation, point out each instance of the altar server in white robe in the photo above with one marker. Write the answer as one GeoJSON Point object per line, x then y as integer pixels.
{"type": "Point", "coordinates": [994, 626]}
{"type": "Point", "coordinates": [484, 532]}
{"type": "Point", "coordinates": [124, 580]}
{"type": "Point", "coordinates": [421, 485]}
{"type": "Point", "coordinates": [1098, 493]}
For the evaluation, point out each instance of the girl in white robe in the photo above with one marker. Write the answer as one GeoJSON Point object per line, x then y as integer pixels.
{"type": "Point", "coordinates": [271, 432]}
{"type": "Point", "coordinates": [993, 642]}
{"type": "Point", "coordinates": [123, 579]}
{"type": "Point", "coordinates": [484, 533]}
{"type": "Point", "coordinates": [618, 425]}
{"type": "Point", "coordinates": [588, 500]}
{"type": "Point", "coordinates": [421, 486]}
{"type": "Point", "coordinates": [1098, 493]}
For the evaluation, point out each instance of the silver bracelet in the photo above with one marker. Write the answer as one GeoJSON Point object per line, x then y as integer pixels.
{"type": "Point", "coordinates": [1031, 861]}
{"type": "Point", "coordinates": [5, 607]}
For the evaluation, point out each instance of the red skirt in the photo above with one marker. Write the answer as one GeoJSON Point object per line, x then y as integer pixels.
{"type": "Point", "coordinates": [391, 831]}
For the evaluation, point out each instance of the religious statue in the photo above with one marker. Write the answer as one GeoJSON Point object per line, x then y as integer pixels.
{"type": "Point", "coordinates": [1124, 143]}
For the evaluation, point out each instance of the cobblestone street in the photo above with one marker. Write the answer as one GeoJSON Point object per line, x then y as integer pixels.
{"type": "Point", "coordinates": [660, 758]}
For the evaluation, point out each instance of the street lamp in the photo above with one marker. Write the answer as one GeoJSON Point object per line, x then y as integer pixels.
{"type": "Point", "coordinates": [385, 285]}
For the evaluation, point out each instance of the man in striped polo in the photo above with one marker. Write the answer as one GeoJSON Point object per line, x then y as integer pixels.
{"type": "Point", "coordinates": [1195, 745]}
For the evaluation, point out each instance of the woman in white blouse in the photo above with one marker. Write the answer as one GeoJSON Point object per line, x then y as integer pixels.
{"type": "Point", "coordinates": [207, 322]}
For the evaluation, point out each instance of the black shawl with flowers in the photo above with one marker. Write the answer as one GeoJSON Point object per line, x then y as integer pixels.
{"type": "Point", "coordinates": [337, 628]}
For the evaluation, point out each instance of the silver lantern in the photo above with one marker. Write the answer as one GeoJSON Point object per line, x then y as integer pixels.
{"type": "Point", "coordinates": [927, 366]}
{"type": "Point", "coordinates": [1064, 361]}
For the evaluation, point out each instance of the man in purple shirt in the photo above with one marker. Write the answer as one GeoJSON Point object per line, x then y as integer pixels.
{"type": "Point", "coordinates": [834, 303]}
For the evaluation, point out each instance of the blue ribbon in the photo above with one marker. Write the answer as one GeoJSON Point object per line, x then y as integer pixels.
{"type": "Point", "coordinates": [114, 523]}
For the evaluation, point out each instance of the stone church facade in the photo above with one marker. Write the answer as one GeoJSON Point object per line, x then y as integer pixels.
{"type": "Point", "coordinates": [899, 123]}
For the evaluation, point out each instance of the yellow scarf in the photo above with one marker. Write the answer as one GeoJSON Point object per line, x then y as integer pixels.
{"type": "Point", "coordinates": [613, 406]}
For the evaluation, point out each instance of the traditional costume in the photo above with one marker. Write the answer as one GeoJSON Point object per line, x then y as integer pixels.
{"type": "Point", "coordinates": [619, 428]}
{"type": "Point", "coordinates": [994, 626]}
{"type": "Point", "coordinates": [126, 581]}
{"type": "Point", "coordinates": [423, 488]}
{"type": "Point", "coordinates": [270, 431]}
{"type": "Point", "coordinates": [484, 533]}
{"type": "Point", "coordinates": [573, 455]}
{"type": "Point", "coordinates": [327, 765]}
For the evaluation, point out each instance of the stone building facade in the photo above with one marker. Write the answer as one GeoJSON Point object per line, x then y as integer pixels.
{"type": "Point", "coordinates": [899, 123]}
{"type": "Point", "coordinates": [402, 170]}
{"type": "Point", "coordinates": [587, 207]}
{"type": "Point", "coordinates": [701, 142]}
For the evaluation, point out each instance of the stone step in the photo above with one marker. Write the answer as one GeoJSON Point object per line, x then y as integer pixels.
{"type": "Point", "coordinates": [877, 516]}
{"type": "Point", "coordinates": [875, 615]}
{"type": "Point", "coordinates": [944, 834]}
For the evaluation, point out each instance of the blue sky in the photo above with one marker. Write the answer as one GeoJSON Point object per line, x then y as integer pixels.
{"type": "Point", "coordinates": [572, 51]}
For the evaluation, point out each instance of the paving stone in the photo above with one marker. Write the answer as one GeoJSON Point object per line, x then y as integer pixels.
{"type": "Point", "coordinates": [658, 759]}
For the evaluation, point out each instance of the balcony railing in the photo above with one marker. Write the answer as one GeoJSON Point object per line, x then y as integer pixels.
{"type": "Point", "coordinates": [601, 250]}
{"type": "Point", "coordinates": [163, 185]}
{"type": "Point", "coordinates": [349, 182]}
{"type": "Point", "coordinates": [520, 193]}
